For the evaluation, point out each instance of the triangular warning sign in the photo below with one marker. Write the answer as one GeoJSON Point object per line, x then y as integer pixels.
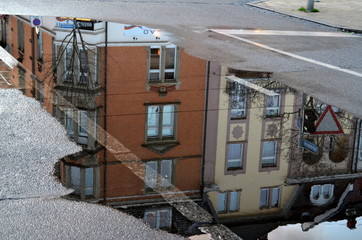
{"type": "Point", "coordinates": [328, 123]}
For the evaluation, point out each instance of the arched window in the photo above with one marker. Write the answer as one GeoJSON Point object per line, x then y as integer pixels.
{"type": "Point", "coordinates": [321, 194]}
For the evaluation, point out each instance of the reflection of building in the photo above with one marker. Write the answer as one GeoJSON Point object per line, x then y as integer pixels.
{"type": "Point", "coordinates": [334, 154]}
{"type": "Point", "coordinates": [344, 202]}
{"type": "Point", "coordinates": [132, 100]}
{"type": "Point", "coordinates": [247, 149]}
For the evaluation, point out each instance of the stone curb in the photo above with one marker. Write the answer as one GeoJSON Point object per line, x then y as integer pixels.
{"type": "Point", "coordinates": [344, 29]}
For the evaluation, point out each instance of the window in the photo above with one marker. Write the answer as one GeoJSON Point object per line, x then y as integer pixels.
{"type": "Point", "coordinates": [321, 194]}
{"type": "Point", "coordinates": [235, 156]}
{"type": "Point", "coordinates": [158, 218]}
{"type": "Point", "coordinates": [162, 64]}
{"type": "Point", "coordinates": [75, 179]}
{"type": "Point", "coordinates": [69, 64]}
{"type": "Point", "coordinates": [20, 27]}
{"type": "Point", "coordinates": [69, 122]}
{"type": "Point", "coordinates": [228, 201]}
{"type": "Point", "coordinates": [21, 77]}
{"type": "Point", "coordinates": [359, 144]}
{"type": "Point", "coordinates": [272, 105]}
{"type": "Point", "coordinates": [237, 100]}
{"type": "Point", "coordinates": [3, 40]}
{"type": "Point", "coordinates": [83, 117]}
{"type": "Point", "coordinates": [79, 176]}
{"type": "Point", "coordinates": [269, 154]}
{"type": "Point", "coordinates": [158, 174]}
{"type": "Point", "coordinates": [160, 122]}
{"type": "Point", "coordinates": [39, 46]}
{"type": "Point", "coordinates": [315, 192]}
{"type": "Point", "coordinates": [82, 125]}
{"type": "Point", "coordinates": [40, 92]}
{"type": "Point", "coordinates": [269, 197]}
{"type": "Point", "coordinates": [83, 63]}
{"type": "Point", "coordinates": [320, 107]}
{"type": "Point", "coordinates": [79, 65]}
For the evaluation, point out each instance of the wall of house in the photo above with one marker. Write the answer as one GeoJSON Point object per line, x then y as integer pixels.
{"type": "Point", "coordinates": [127, 94]}
{"type": "Point", "coordinates": [37, 75]}
{"type": "Point", "coordinates": [251, 131]}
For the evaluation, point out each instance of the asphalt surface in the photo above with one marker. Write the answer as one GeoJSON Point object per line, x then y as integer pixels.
{"type": "Point", "coordinates": [189, 24]}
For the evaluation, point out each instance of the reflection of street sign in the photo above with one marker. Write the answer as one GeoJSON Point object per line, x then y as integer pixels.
{"type": "Point", "coordinates": [36, 21]}
{"type": "Point", "coordinates": [62, 22]}
{"type": "Point", "coordinates": [85, 25]}
{"type": "Point", "coordinates": [136, 30]}
{"type": "Point", "coordinates": [310, 146]}
{"type": "Point", "coordinates": [328, 123]}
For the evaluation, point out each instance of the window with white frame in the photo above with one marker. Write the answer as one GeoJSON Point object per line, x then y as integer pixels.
{"type": "Point", "coordinates": [20, 29]}
{"type": "Point", "coordinates": [158, 218]}
{"type": "Point", "coordinates": [228, 201]}
{"type": "Point", "coordinates": [237, 101]}
{"type": "Point", "coordinates": [321, 194]}
{"type": "Point", "coordinates": [39, 46]}
{"type": "Point", "coordinates": [162, 64]}
{"type": "Point", "coordinates": [161, 122]}
{"type": "Point", "coordinates": [159, 174]}
{"type": "Point", "coordinates": [269, 154]}
{"type": "Point", "coordinates": [269, 197]}
{"type": "Point", "coordinates": [82, 180]}
{"type": "Point", "coordinates": [234, 156]}
{"type": "Point", "coordinates": [272, 105]}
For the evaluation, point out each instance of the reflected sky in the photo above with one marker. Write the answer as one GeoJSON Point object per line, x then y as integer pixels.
{"type": "Point", "coordinates": [324, 231]}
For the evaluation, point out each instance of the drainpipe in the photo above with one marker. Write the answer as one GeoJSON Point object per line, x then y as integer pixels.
{"type": "Point", "coordinates": [105, 116]}
{"type": "Point", "coordinates": [205, 131]}
{"type": "Point", "coordinates": [356, 144]}
{"type": "Point", "coordinates": [33, 90]}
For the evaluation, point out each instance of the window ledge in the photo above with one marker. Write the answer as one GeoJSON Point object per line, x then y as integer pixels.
{"type": "Point", "coordinates": [238, 118]}
{"type": "Point", "coordinates": [234, 171]}
{"type": "Point", "coordinates": [166, 82]}
{"type": "Point", "coordinates": [161, 147]}
{"type": "Point", "coordinates": [269, 166]}
{"type": "Point", "coordinates": [158, 190]}
{"type": "Point", "coordinates": [273, 116]}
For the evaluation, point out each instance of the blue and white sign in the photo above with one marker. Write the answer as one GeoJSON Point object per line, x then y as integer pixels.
{"type": "Point", "coordinates": [62, 22]}
{"type": "Point", "coordinates": [36, 21]}
{"type": "Point", "coordinates": [136, 30]}
{"type": "Point", "coordinates": [310, 146]}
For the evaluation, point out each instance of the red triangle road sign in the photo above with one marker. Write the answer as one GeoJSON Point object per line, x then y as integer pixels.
{"type": "Point", "coordinates": [328, 123]}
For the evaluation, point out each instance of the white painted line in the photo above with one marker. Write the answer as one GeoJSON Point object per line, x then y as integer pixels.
{"type": "Point", "coordinates": [252, 85]}
{"type": "Point", "coordinates": [222, 32]}
{"type": "Point", "coordinates": [284, 33]}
